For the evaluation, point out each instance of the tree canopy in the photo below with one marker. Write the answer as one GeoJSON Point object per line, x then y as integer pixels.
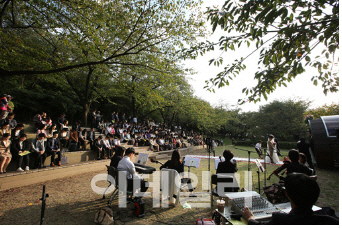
{"type": "Point", "coordinates": [286, 34]}
{"type": "Point", "coordinates": [49, 36]}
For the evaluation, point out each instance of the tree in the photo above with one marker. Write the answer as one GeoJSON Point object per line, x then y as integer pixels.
{"type": "Point", "coordinates": [283, 119]}
{"type": "Point", "coordinates": [66, 35]}
{"type": "Point", "coordinates": [325, 110]}
{"type": "Point", "coordinates": [286, 32]}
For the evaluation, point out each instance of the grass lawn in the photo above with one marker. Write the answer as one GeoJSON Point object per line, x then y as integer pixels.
{"type": "Point", "coordinates": [71, 200]}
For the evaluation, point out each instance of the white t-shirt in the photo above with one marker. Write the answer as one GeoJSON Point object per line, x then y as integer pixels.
{"type": "Point", "coordinates": [125, 164]}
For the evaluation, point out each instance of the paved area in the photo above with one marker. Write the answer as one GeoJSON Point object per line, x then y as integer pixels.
{"type": "Point", "coordinates": [15, 179]}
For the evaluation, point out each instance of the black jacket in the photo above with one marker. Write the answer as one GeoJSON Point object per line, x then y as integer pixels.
{"type": "Point", "coordinates": [49, 144]}
{"type": "Point", "coordinates": [15, 147]}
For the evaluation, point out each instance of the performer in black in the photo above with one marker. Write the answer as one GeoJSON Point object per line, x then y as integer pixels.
{"type": "Point", "coordinates": [303, 147]}
{"type": "Point", "coordinates": [227, 166]}
{"type": "Point", "coordinates": [292, 166]}
{"type": "Point", "coordinates": [177, 164]}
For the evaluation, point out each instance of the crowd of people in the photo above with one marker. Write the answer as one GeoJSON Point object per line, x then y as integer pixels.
{"type": "Point", "coordinates": [54, 138]}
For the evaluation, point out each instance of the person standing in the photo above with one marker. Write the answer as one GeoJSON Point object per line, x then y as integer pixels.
{"type": "Point", "coordinates": [258, 149]}
{"type": "Point", "coordinates": [3, 106]}
{"type": "Point", "coordinates": [271, 151]}
{"type": "Point", "coordinates": [278, 149]}
{"type": "Point", "coordinates": [93, 119]}
{"type": "Point", "coordinates": [91, 138]}
{"type": "Point", "coordinates": [304, 147]}
{"type": "Point", "coordinates": [10, 105]}
{"type": "Point", "coordinates": [60, 122]}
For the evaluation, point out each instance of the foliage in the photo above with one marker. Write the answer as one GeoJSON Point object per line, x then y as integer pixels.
{"type": "Point", "coordinates": [325, 110]}
{"type": "Point", "coordinates": [285, 32]}
{"type": "Point", "coordinates": [282, 144]}
{"type": "Point", "coordinates": [283, 119]}
{"type": "Point", "coordinates": [52, 36]}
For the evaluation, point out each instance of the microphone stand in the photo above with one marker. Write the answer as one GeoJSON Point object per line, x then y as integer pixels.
{"type": "Point", "coordinates": [265, 175]}
{"type": "Point", "coordinates": [249, 161]}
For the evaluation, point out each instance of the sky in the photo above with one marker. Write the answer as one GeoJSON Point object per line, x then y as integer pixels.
{"type": "Point", "coordinates": [301, 88]}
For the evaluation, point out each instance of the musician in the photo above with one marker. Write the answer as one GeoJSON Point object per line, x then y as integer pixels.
{"type": "Point", "coordinates": [117, 157]}
{"type": "Point", "coordinates": [303, 193]}
{"type": "Point", "coordinates": [258, 149]}
{"type": "Point", "coordinates": [292, 166]}
{"type": "Point", "coordinates": [127, 165]}
{"type": "Point", "coordinates": [177, 164]}
{"type": "Point", "coordinates": [227, 166]}
{"type": "Point", "coordinates": [303, 147]}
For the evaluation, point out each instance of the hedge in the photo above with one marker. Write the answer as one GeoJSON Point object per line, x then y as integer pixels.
{"type": "Point", "coordinates": [282, 145]}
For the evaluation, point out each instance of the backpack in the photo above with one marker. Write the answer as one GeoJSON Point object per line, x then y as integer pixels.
{"type": "Point", "coordinates": [104, 216]}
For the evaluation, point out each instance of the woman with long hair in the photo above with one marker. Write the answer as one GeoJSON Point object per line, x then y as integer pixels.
{"type": "Point", "coordinates": [175, 162]}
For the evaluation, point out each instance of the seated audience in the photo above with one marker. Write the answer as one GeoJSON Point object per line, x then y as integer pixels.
{"type": "Point", "coordinates": [19, 146]}
{"type": "Point", "coordinates": [64, 125]}
{"type": "Point", "coordinates": [127, 165]}
{"type": "Point", "coordinates": [42, 130]}
{"type": "Point", "coordinates": [117, 157]}
{"type": "Point", "coordinates": [98, 145]}
{"type": "Point", "coordinates": [10, 121]}
{"type": "Point", "coordinates": [107, 147]}
{"type": "Point", "coordinates": [51, 130]}
{"type": "Point", "coordinates": [17, 131]}
{"type": "Point", "coordinates": [53, 148]}
{"type": "Point", "coordinates": [64, 138]}
{"type": "Point", "coordinates": [5, 154]}
{"type": "Point", "coordinates": [38, 119]}
{"type": "Point", "coordinates": [5, 129]}
{"type": "Point", "coordinates": [303, 193]}
{"type": "Point", "coordinates": [38, 146]}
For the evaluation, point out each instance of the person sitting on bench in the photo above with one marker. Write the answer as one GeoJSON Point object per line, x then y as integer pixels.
{"type": "Point", "coordinates": [128, 166]}
{"type": "Point", "coordinates": [19, 146]}
{"type": "Point", "coordinates": [53, 148]}
{"type": "Point", "coordinates": [303, 193]}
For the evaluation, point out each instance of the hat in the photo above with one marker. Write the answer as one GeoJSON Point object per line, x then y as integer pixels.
{"type": "Point", "coordinates": [271, 136]}
{"type": "Point", "coordinates": [9, 96]}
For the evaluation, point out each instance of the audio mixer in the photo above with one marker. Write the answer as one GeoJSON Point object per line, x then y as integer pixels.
{"type": "Point", "coordinates": [261, 208]}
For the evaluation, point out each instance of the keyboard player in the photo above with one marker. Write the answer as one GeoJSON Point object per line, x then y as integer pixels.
{"type": "Point", "coordinates": [128, 166]}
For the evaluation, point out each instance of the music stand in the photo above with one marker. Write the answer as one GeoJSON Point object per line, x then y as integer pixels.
{"type": "Point", "coordinates": [260, 169]}
{"type": "Point", "coordinates": [191, 162]}
{"type": "Point", "coordinates": [142, 159]}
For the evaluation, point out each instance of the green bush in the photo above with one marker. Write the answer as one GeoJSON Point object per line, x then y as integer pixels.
{"type": "Point", "coordinates": [282, 145]}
